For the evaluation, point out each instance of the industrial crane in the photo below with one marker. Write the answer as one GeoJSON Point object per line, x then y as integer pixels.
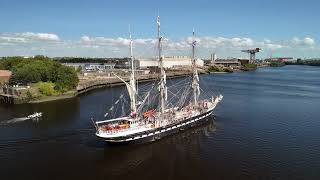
{"type": "Point", "coordinates": [252, 53]}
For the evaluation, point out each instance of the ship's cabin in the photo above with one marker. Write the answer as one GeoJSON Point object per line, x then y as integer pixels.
{"type": "Point", "coordinates": [117, 124]}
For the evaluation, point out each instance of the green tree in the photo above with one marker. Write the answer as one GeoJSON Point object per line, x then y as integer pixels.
{"type": "Point", "coordinates": [40, 69]}
{"type": "Point", "coordinates": [66, 79]}
{"type": "Point", "coordinates": [1, 66]}
{"type": "Point", "coordinates": [46, 88]}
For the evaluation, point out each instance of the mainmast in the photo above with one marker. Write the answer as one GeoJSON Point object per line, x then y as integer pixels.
{"type": "Point", "coordinates": [195, 79]}
{"type": "Point", "coordinates": [132, 91]}
{"type": "Point", "coordinates": [162, 85]}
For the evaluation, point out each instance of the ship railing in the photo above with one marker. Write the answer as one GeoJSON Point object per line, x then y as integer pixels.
{"type": "Point", "coordinates": [113, 131]}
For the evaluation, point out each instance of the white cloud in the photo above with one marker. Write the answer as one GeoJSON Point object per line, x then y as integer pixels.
{"type": "Point", "coordinates": [144, 41]}
{"type": "Point", "coordinates": [10, 39]}
{"type": "Point", "coordinates": [38, 43]}
{"type": "Point", "coordinates": [273, 46]}
{"type": "Point", "coordinates": [267, 40]}
{"type": "Point", "coordinates": [28, 37]}
{"type": "Point", "coordinates": [85, 39]}
{"type": "Point", "coordinates": [307, 41]}
{"type": "Point", "coordinates": [103, 41]}
{"type": "Point", "coordinates": [39, 36]}
{"type": "Point", "coordinates": [213, 42]}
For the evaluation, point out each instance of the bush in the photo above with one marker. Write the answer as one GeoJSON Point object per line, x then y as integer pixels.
{"type": "Point", "coordinates": [46, 88]}
{"type": "Point", "coordinates": [229, 70]}
{"type": "Point", "coordinates": [250, 66]}
{"type": "Point", "coordinates": [214, 69]}
{"type": "Point", "coordinates": [219, 69]}
{"type": "Point", "coordinates": [277, 64]}
{"type": "Point", "coordinates": [29, 95]}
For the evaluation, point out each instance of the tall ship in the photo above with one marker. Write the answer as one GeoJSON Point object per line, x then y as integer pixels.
{"type": "Point", "coordinates": [156, 114]}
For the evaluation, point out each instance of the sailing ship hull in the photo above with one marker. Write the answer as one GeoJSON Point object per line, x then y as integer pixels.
{"type": "Point", "coordinates": [159, 133]}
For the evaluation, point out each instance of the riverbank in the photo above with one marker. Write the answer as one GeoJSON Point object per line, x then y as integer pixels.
{"type": "Point", "coordinates": [218, 69]}
{"type": "Point", "coordinates": [311, 62]}
{"type": "Point", "coordinates": [67, 95]}
{"type": "Point", "coordinates": [94, 80]}
{"type": "Point", "coordinates": [86, 83]}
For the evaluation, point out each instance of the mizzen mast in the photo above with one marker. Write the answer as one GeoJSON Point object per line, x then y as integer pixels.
{"type": "Point", "coordinates": [195, 79]}
{"type": "Point", "coordinates": [162, 86]}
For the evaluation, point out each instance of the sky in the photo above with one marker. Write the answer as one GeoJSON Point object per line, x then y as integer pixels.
{"type": "Point", "coordinates": [100, 28]}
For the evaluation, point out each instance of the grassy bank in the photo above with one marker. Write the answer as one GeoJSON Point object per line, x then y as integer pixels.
{"type": "Point", "coordinates": [219, 69]}
{"type": "Point", "coordinates": [277, 64]}
{"type": "Point", "coordinates": [249, 67]}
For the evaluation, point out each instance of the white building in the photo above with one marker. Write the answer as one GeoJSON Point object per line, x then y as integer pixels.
{"type": "Point", "coordinates": [213, 58]}
{"type": "Point", "coordinates": [91, 66]}
{"type": "Point", "coordinates": [170, 62]}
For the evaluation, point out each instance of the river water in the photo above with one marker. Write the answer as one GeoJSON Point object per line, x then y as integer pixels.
{"type": "Point", "coordinates": [267, 127]}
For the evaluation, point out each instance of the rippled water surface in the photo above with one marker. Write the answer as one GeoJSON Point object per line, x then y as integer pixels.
{"type": "Point", "coordinates": [267, 127]}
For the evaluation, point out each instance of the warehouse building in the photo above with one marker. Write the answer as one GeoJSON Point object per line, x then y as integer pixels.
{"type": "Point", "coordinates": [169, 62]}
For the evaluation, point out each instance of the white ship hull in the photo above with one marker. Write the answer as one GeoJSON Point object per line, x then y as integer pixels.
{"type": "Point", "coordinates": [161, 132]}
{"type": "Point", "coordinates": [148, 133]}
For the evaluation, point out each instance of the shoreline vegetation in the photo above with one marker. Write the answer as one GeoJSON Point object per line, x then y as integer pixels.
{"type": "Point", "coordinates": [249, 67]}
{"type": "Point", "coordinates": [309, 62]}
{"type": "Point", "coordinates": [277, 64]}
{"type": "Point", "coordinates": [219, 69]}
{"type": "Point", "coordinates": [42, 79]}
{"type": "Point", "coordinates": [39, 78]}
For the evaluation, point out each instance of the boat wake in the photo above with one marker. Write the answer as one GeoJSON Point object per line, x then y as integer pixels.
{"type": "Point", "coordinates": [34, 117]}
{"type": "Point", "coordinates": [14, 120]}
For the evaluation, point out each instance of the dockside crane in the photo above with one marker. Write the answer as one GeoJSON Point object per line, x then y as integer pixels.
{"type": "Point", "coordinates": [252, 53]}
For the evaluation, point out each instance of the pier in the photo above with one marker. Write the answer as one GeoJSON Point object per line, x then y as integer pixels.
{"type": "Point", "coordinates": [12, 99]}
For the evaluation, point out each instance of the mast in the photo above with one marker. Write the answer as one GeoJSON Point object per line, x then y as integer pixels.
{"type": "Point", "coordinates": [162, 85]}
{"type": "Point", "coordinates": [195, 79]}
{"type": "Point", "coordinates": [133, 90]}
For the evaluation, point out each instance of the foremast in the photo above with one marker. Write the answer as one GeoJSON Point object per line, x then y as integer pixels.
{"type": "Point", "coordinates": [132, 88]}
{"type": "Point", "coordinates": [162, 85]}
{"type": "Point", "coordinates": [195, 78]}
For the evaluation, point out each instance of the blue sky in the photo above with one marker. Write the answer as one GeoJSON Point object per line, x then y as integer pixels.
{"type": "Point", "coordinates": [98, 28]}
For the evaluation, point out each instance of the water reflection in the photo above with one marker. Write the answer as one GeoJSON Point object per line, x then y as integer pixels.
{"type": "Point", "coordinates": [121, 160]}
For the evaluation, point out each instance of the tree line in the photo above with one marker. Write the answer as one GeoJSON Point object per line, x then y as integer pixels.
{"type": "Point", "coordinates": [310, 62]}
{"type": "Point", "coordinates": [90, 60]}
{"type": "Point", "coordinates": [40, 69]}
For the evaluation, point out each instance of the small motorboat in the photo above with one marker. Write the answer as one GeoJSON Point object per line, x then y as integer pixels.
{"type": "Point", "coordinates": [35, 115]}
